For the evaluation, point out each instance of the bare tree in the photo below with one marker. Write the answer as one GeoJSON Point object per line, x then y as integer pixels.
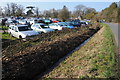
{"type": "Point", "coordinates": [47, 13]}
{"type": "Point", "coordinates": [54, 13]}
{"type": "Point", "coordinates": [8, 9]}
{"type": "Point", "coordinates": [37, 11]}
{"type": "Point", "coordinates": [79, 10]}
{"type": "Point", "coordinates": [20, 10]}
{"type": "Point", "coordinates": [1, 12]}
{"type": "Point", "coordinates": [13, 8]}
{"type": "Point", "coordinates": [89, 10]}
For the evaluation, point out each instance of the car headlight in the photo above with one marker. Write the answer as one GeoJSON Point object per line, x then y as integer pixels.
{"type": "Point", "coordinates": [24, 36]}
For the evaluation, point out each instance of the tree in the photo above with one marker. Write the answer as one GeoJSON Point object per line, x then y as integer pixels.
{"type": "Point", "coordinates": [79, 11]}
{"type": "Point", "coordinates": [89, 10]}
{"type": "Point", "coordinates": [37, 11]}
{"type": "Point", "coordinates": [13, 8]}
{"type": "Point", "coordinates": [1, 12]}
{"type": "Point", "coordinates": [64, 14]}
{"type": "Point", "coordinates": [90, 15]}
{"type": "Point", "coordinates": [8, 10]}
{"type": "Point", "coordinates": [20, 10]}
{"type": "Point", "coordinates": [110, 13]}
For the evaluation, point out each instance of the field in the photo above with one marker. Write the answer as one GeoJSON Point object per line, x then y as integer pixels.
{"type": "Point", "coordinates": [45, 49]}
{"type": "Point", "coordinates": [96, 59]}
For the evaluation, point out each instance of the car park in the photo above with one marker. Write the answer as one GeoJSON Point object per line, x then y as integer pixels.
{"type": "Point", "coordinates": [21, 31]}
{"type": "Point", "coordinates": [41, 28]}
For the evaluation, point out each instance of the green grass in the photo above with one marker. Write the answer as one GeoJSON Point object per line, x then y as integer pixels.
{"type": "Point", "coordinates": [107, 55]}
{"type": "Point", "coordinates": [4, 27]}
{"type": "Point", "coordinates": [6, 35]}
{"type": "Point", "coordinates": [96, 59]}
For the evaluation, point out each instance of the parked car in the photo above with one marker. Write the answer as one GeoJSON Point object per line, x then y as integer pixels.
{"type": "Point", "coordinates": [84, 23]}
{"type": "Point", "coordinates": [75, 23]}
{"type": "Point", "coordinates": [32, 21]}
{"type": "Point", "coordinates": [57, 26]}
{"type": "Point", "coordinates": [22, 21]}
{"type": "Point", "coordinates": [55, 20]}
{"type": "Point", "coordinates": [41, 28]}
{"type": "Point", "coordinates": [45, 21]}
{"type": "Point", "coordinates": [10, 21]}
{"type": "Point", "coordinates": [65, 24]}
{"type": "Point", "coordinates": [21, 31]}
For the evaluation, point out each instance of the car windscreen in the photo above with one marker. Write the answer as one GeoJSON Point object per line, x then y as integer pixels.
{"type": "Point", "coordinates": [24, 28]}
{"type": "Point", "coordinates": [14, 21]}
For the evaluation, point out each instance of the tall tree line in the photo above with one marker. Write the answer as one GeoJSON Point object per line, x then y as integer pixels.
{"type": "Point", "coordinates": [111, 13]}
{"type": "Point", "coordinates": [80, 11]}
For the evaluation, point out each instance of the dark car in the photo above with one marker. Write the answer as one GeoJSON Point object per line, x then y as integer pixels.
{"type": "Point", "coordinates": [75, 23]}
{"type": "Point", "coordinates": [45, 21]}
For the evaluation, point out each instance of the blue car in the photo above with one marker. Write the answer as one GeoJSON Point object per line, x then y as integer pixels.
{"type": "Point", "coordinates": [65, 24]}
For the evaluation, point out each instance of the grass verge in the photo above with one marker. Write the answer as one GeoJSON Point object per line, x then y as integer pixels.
{"type": "Point", "coordinates": [96, 59]}
{"type": "Point", "coordinates": [6, 36]}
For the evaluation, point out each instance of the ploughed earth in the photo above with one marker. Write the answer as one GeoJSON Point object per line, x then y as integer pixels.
{"type": "Point", "coordinates": [24, 60]}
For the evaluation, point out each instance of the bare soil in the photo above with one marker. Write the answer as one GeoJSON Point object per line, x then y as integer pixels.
{"type": "Point", "coordinates": [24, 60]}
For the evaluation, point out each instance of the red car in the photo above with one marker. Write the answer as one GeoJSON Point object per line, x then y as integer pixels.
{"type": "Point", "coordinates": [55, 20]}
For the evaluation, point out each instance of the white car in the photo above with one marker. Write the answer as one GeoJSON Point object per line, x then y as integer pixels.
{"type": "Point", "coordinates": [41, 28]}
{"type": "Point", "coordinates": [57, 26]}
{"type": "Point", "coordinates": [32, 21]}
{"type": "Point", "coordinates": [22, 21]}
{"type": "Point", "coordinates": [21, 31]}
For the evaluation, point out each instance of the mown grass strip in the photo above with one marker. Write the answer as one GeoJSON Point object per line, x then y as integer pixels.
{"type": "Point", "coordinates": [96, 59]}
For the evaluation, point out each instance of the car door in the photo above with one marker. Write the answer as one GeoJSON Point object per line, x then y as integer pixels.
{"type": "Point", "coordinates": [33, 27]}
{"type": "Point", "coordinates": [38, 28]}
{"type": "Point", "coordinates": [55, 26]}
{"type": "Point", "coordinates": [15, 32]}
{"type": "Point", "coordinates": [12, 31]}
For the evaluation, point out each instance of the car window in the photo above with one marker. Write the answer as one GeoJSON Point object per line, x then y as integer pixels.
{"type": "Point", "coordinates": [15, 28]}
{"type": "Point", "coordinates": [24, 28]}
{"type": "Point", "coordinates": [33, 25]}
{"type": "Point", "coordinates": [44, 26]}
{"type": "Point", "coordinates": [12, 27]}
{"type": "Point", "coordinates": [37, 26]}
{"type": "Point", "coordinates": [56, 25]}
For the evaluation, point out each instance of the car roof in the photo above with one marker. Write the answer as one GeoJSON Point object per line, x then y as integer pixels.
{"type": "Point", "coordinates": [21, 25]}
{"type": "Point", "coordinates": [39, 23]}
{"type": "Point", "coordinates": [61, 22]}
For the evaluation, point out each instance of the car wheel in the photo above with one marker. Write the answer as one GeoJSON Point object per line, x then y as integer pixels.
{"type": "Point", "coordinates": [56, 29]}
{"type": "Point", "coordinates": [42, 32]}
{"type": "Point", "coordinates": [20, 37]}
{"type": "Point", "coordinates": [11, 35]}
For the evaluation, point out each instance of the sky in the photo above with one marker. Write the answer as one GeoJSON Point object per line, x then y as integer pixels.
{"type": "Point", "coordinates": [59, 5]}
